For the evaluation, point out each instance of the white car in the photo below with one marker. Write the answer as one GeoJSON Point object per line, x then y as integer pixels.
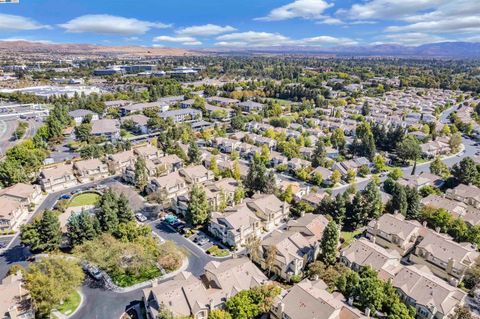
{"type": "Point", "coordinates": [140, 217]}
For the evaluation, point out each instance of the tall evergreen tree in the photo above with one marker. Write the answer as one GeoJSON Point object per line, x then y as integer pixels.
{"type": "Point", "coordinates": [141, 176]}
{"type": "Point", "coordinates": [319, 154]}
{"type": "Point", "coordinates": [329, 243]}
{"type": "Point", "coordinates": [125, 212]}
{"type": "Point", "coordinates": [82, 227]}
{"type": "Point", "coordinates": [399, 200]}
{"type": "Point", "coordinates": [107, 212]}
{"type": "Point", "coordinates": [194, 153]}
{"type": "Point", "coordinates": [413, 202]}
{"type": "Point", "coordinates": [198, 209]}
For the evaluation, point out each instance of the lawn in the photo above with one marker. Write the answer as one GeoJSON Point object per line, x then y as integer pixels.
{"type": "Point", "coordinates": [218, 252]}
{"type": "Point", "coordinates": [84, 199]}
{"type": "Point", "coordinates": [348, 236]}
{"type": "Point", "coordinates": [70, 304]}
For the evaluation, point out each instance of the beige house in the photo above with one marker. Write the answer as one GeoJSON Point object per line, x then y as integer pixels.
{"type": "Point", "coordinates": [294, 247]}
{"type": "Point", "coordinates": [445, 258]}
{"type": "Point", "coordinates": [120, 161]}
{"type": "Point", "coordinates": [363, 252]}
{"type": "Point", "coordinates": [311, 300]}
{"type": "Point", "coordinates": [10, 212]}
{"type": "Point", "coordinates": [431, 296]}
{"type": "Point", "coordinates": [196, 174]}
{"type": "Point", "coordinates": [422, 180]}
{"type": "Point", "coordinates": [169, 164]}
{"type": "Point", "coordinates": [187, 295]}
{"type": "Point", "coordinates": [57, 178]}
{"type": "Point", "coordinates": [90, 170]}
{"type": "Point", "coordinates": [170, 186]}
{"type": "Point", "coordinates": [15, 302]}
{"type": "Point", "coordinates": [221, 192]}
{"type": "Point", "coordinates": [394, 232]}
{"type": "Point", "coordinates": [467, 213]}
{"type": "Point", "coordinates": [467, 194]}
{"type": "Point", "coordinates": [25, 193]}
{"type": "Point", "coordinates": [235, 226]}
{"type": "Point", "coordinates": [271, 210]}
{"type": "Point", "coordinates": [148, 152]}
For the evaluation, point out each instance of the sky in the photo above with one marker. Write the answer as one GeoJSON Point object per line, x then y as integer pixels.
{"type": "Point", "coordinates": [245, 23]}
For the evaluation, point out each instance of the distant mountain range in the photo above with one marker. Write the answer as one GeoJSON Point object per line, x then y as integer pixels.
{"type": "Point", "coordinates": [432, 50]}
{"type": "Point", "coordinates": [41, 47]}
{"type": "Point", "coordinates": [439, 50]}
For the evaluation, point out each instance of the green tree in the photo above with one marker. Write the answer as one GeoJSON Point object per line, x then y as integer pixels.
{"type": "Point", "coordinates": [50, 281]}
{"type": "Point", "coordinates": [236, 173]}
{"type": "Point", "coordinates": [83, 132]}
{"type": "Point", "coordinates": [409, 150]}
{"type": "Point", "coordinates": [413, 203]}
{"type": "Point", "coordinates": [82, 227]}
{"type": "Point", "coordinates": [399, 200]}
{"type": "Point", "coordinates": [242, 306]}
{"type": "Point", "coordinates": [379, 163]}
{"type": "Point", "coordinates": [258, 178]}
{"type": "Point", "coordinates": [336, 177]}
{"type": "Point", "coordinates": [439, 168]}
{"type": "Point", "coordinates": [194, 153]}
{"type": "Point", "coordinates": [43, 234]}
{"type": "Point", "coordinates": [198, 209]}
{"type": "Point", "coordinates": [239, 194]}
{"type": "Point", "coordinates": [141, 175]}
{"type": "Point", "coordinates": [219, 314]}
{"type": "Point", "coordinates": [319, 154]}
{"type": "Point", "coordinates": [329, 243]}
{"type": "Point", "coordinates": [371, 290]}
{"type": "Point", "coordinates": [467, 172]}
{"type": "Point", "coordinates": [351, 175]}
{"type": "Point", "coordinates": [125, 212]}
{"type": "Point", "coordinates": [338, 138]}
{"type": "Point", "coordinates": [107, 212]}
{"type": "Point", "coordinates": [287, 195]}
{"type": "Point", "coordinates": [455, 142]}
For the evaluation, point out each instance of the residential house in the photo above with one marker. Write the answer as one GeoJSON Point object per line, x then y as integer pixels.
{"type": "Point", "coordinates": [56, 178]}
{"type": "Point", "coordinates": [15, 302]}
{"type": "Point", "coordinates": [235, 226]}
{"type": "Point", "coordinates": [272, 211]}
{"type": "Point", "coordinates": [435, 148]}
{"type": "Point", "coordinates": [422, 180]}
{"type": "Point", "coordinates": [445, 258]}
{"type": "Point", "coordinates": [468, 194]}
{"type": "Point", "coordinates": [120, 161]}
{"type": "Point", "coordinates": [170, 186]}
{"type": "Point", "coordinates": [90, 170]}
{"type": "Point", "coordinates": [140, 107]}
{"type": "Point", "coordinates": [187, 295]}
{"type": "Point", "coordinates": [139, 121]}
{"type": "Point", "coordinates": [250, 106]}
{"type": "Point", "coordinates": [469, 214]}
{"type": "Point", "coordinates": [108, 128]}
{"type": "Point", "coordinates": [196, 174]}
{"type": "Point", "coordinates": [148, 152]}
{"type": "Point", "coordinates": [432, 297]}
{"type": "Point", "coordinates": [27, 194]}
{"type": "Point", "coordinates": [394, 232]}
{"type": "Point", "coordinates": [311, 300]}
{"type": "Point", "coordinates": [223, 101]}
{"type": "Point", "coordinates": [296, 164]}
{"type": "Point", "coordinates": [363, 252]}
{"type": "Point", "coordinates": [314, 199]}
{"type": "Point", "coordinates": [169, 164]}
{"type": "Point", "coordinates": [324, 172]}
{"type": "Point", "coordinates": [11, 212]}
{"type": "Point", "coordinates": [221, 192]}
{"type": "Point", "coordinates": [80, 114]}
{"type": "Point", "coordinates": [353, 164]}
{"type": "Point", "coordinates": [182, 115]}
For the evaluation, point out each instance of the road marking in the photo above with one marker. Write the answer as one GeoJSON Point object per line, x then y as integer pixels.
{"type": "Point", "coordinates": [3, 127]}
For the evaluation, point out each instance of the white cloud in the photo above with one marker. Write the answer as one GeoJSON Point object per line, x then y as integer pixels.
{"type": "Point", "coordinates": [260, 39]}
{"type": "Point", "coordinates": [326, 40]}
{"type": "Point", "coordinates": [110, 25]}
{"type": "Point", "coordinates": [184, 40]}
{"type": "Point", "coordinates": [252, 38]}
{"type": "Point", "coordinates": [307, 9]}
{"type": "Point", "coordinates": [205, 30]}
{"type": "Point", "coordinates": [388, 9]}
{"type": "Point", "coordinates": [14, 22]}
{"type": "Point", "coordinates": [412, 38]}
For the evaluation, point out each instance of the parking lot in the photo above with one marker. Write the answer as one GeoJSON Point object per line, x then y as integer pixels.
{"type": "Point", "coordinates": [4, 241]}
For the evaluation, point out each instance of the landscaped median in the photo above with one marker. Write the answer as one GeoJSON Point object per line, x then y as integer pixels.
{"type": "Point", "coordinates": [84, 199]}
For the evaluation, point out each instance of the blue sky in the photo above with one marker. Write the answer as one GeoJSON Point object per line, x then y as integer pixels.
{"type": "Point", "coordinates": [246, 23]}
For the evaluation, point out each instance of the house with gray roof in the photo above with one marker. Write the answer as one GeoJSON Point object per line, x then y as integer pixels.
{"type": "Point", "coordinates": [80, 114]}
{"type": "Point", "coordinates": [108, 128]}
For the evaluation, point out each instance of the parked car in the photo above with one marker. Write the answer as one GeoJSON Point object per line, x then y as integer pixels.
{"type": "Point", "coordinates": [101, 186]}
{"type": "Point", "coordinates": [65, 196]}
{"type": "Point", "coordinates": [140, 217]}
{"type": "Point", "coordinates": [93, 271]}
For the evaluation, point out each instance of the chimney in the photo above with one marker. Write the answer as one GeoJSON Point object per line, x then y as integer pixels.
{"type": "Point", "coordinates": [315, 277]}
{"type": "Point", "coordinates": [424, 224]}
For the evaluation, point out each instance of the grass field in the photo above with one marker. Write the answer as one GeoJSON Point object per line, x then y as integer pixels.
{"type": "Point", "coordinates": [84, 199]}
{"type": "Point", "coordinates": [348, 237]}
{"type": "Point", "coordinates": [70, 304]}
